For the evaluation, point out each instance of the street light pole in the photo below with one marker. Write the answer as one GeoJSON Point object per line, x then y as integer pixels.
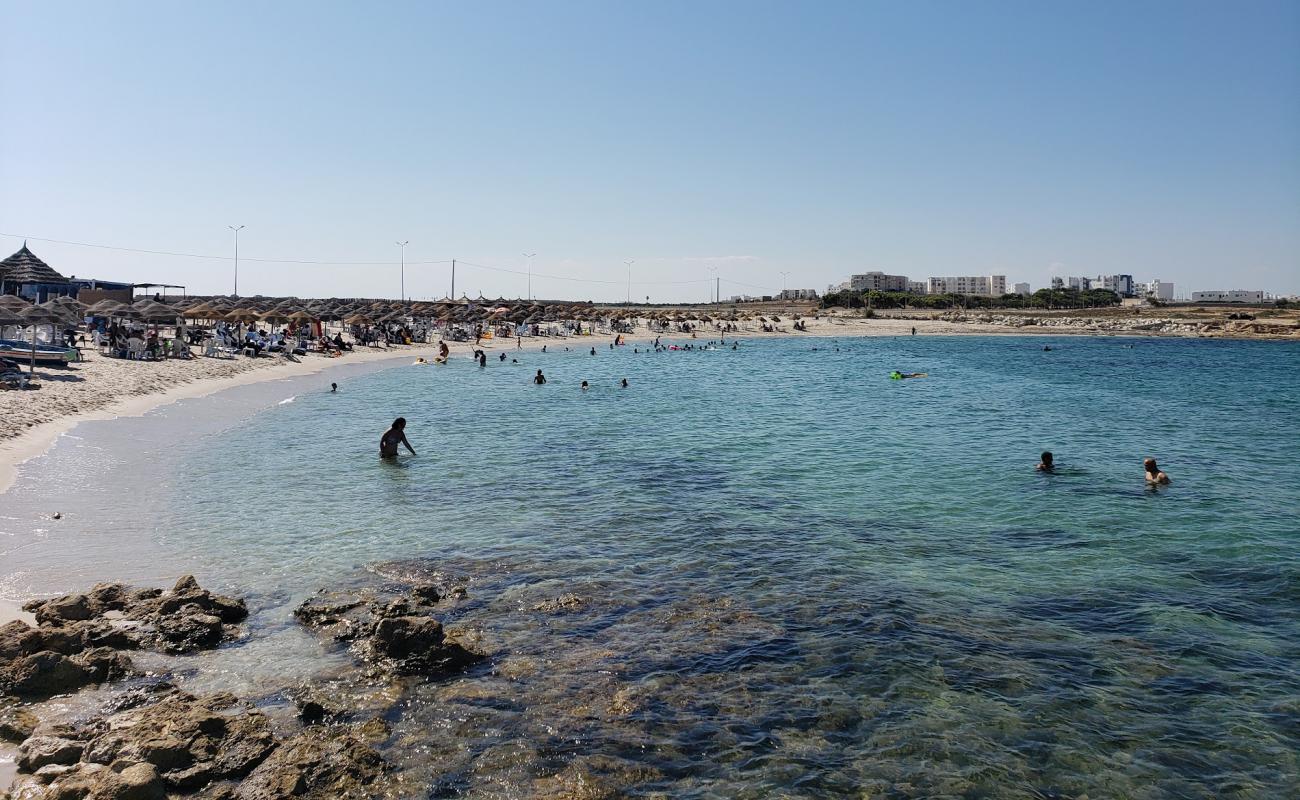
{"type": "Point", "coordinates": [714, 271]}
{"type": "Point", "coordinates": [529, 256]}
{"type": "Point", "coordinates": [403, 246]}
{"type": "Point", "coordinates": [629, 263]}
{"type": "Point", "coordinates": [784, 275]}
{"type": "Point", "coordinates": [236, 230]}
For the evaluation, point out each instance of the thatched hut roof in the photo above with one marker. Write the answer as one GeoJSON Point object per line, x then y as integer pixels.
{"type": "Point", "coordinates": [25, 267]}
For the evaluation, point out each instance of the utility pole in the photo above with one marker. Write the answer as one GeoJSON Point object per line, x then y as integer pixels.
{"type": "Point", "coordinates": [714, 270]}
{"type": "Point", "coordinates": [403, 246]}
{"type": "Point", "coordinates": [453, 281]}
{"type": "Point", "coordinates": [629, 263]}
{"type": "Point", "coordinates": [236, 230]}
{"type": "Point", "coordinates": [529, 256]}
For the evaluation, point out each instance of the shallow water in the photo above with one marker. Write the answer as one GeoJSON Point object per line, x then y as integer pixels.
{"type": "Point", "coordinates": [798, 577]}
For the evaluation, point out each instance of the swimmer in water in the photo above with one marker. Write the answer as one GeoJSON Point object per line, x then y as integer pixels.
{"type": "Point", "coordinates": [392, 438]}
{"type": "Point", "coordinates": [1045, 462]}
{"type": "Point", "coordinates": [543, 348]}
{"type": "Point", "coordinates": [334, 387]}
{"type": "Point", "coordinates": [503, 356]}
{"type": "Point", "coordinates": [593, 351]}
{"type": "Point", "coordinates": [1153, 474]}
{"type": "Point", "coordinates": [539, 379]}
{"type": "Point", "coordinates": [624, 383]}
{"type": "Point", "coordinates": [443, 350]}
{"type": "Point", "coordinates": [584, 386]}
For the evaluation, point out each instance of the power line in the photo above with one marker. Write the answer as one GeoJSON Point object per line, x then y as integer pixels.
{"type": "Point", "coordinates": [219, 258]}
{"type": "Point", "coordinates": [370, 263]}
{"type": "Point", "coordinates": [577, 280]}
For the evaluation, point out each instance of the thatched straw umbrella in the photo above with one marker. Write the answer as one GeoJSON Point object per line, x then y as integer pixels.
{"type": "Point", "coordinates": [44, 314]}
{"type": "Point", "coordinates": [13, 303]}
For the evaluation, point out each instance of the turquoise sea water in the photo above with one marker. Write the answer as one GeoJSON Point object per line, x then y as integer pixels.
{"type": "Point", "coordinates": [799, 578]}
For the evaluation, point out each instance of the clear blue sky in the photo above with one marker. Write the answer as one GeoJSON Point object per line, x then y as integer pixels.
{"type": "Point", "coordinates": [1160, 139]}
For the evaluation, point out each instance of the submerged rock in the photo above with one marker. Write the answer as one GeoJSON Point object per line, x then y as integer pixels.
{"type": "Point", "coordinates": [318, 763]}
{"type": "Point", "coordinates": [392, 633]}
{"type": "Point", "coordinates": [16, 723]}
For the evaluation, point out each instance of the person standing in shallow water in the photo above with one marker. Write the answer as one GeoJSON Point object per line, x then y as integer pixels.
{"type": "Point", "coordinates": [334, 387]}
{"type": "Point", "coordinates": [539, 379]}
{"type": "Point", "coordinates": [1153, 474]}
{"type": "Point", "coordinates": [392, 438]}
{"type": "Point", "coordinates": [1045, 462]}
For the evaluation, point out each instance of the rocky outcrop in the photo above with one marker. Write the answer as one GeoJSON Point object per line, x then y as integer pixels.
{"type": "Point", "coordinates": [317, 763]}
{"type": "Point", "coordinates": [176, 744]}
{"type": "Point", "coordinates": [391, 633]}
{"type": "Point", "coordinates": [78, 636]}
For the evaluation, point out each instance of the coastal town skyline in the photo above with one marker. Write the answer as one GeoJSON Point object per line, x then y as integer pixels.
{"type": "Point", "coordinates": [1155, 140]}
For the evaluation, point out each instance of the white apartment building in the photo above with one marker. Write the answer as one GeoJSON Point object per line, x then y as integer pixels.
{"type": "Point", "coordinates": [987, 285]}
{"type": "Point", "coordinates": [1080, 283]}
{"type": "Point", "coordinates": [878, 282]}
{"type": "Point", "coordinates": [1021, 289]}
{"type": "Point", "coordinates": [916, 287]}
{"type": "Point", "coordinates": [1121, 285]}
{"type": "Point", "coordinates": [1156, 289]}
{"type": "Point", "coordinates": [1230, 296]}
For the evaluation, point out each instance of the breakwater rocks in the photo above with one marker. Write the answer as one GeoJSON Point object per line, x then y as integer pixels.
{"type": "Point", "coordinates": [1135, 325]}
{"type": "Point", "coordinates": [150, 739]}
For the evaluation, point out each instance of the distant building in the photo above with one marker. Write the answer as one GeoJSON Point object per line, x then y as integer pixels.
{"type": "Point", "coordinates": [836, 288]}
{"type": "Point", "coordinates": [1058, 283]}
{"type": "Point", "coordinates": [1081, 284]}
{"type": "Point", "coordinates": [987, 285]}
{"type": "Point", "coordinates": [1156, 290]}
{"type": "Point", "coordinates": [797, 294]}
{"type": "Point", "coordinates": [1230, 296]}
{"type": "Point", "coordinates": [1021, 289]}
{"type": "Point", "coordinates": [744, 298]}
{"type": "Point", "coordinates": [878, 282]}
{"type": "Point", "coordinates": [27, 276]}
{"type": "Point", "coordinates": [1121, 285]}
{"type": "Point", "coordinates": [916, 287]}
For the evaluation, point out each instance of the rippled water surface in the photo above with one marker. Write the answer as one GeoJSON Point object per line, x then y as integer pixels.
{"type": "Point", "coordinates": [797, 577]}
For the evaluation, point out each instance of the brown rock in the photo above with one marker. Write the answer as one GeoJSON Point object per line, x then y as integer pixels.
{"type": "Point", "coordinates": [318, 764]}
{"type": "Point", "coordinates": [37, 751]}
{"type": "Point", "coordinates": [16, 723]}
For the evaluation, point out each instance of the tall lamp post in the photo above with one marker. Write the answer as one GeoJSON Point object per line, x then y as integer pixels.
{"type": "Point", "coordinates": [236, 230]}
{"type": "Point", "coordinates": [784, 275]}
{"type": "Point", "coordinates": [713, 271]}
{"type": "Point", "coordinates": [629, 263]}
{"type": "Point", "coordinates": [403, 246]}
{"type": "Point", "coordinates": [529, 256]}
